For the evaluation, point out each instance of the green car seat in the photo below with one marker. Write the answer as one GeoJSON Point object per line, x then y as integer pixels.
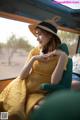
{"type": "Point", "coordinates": [60, 105]}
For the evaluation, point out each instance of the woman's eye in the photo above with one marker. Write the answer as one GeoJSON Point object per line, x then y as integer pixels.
{"type": "Point", "coordinates": [38, 34]}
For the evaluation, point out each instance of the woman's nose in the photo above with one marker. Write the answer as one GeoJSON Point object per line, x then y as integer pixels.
{"type": "Point", "coordinates": [38, 39]}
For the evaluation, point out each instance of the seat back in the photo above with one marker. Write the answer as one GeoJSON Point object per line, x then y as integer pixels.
{"type": "Point", "coordinates": [67, 75]}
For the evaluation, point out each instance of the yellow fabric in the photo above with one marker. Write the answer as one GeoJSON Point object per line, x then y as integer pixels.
{"type": "Point", "coordinates": [21, 95]}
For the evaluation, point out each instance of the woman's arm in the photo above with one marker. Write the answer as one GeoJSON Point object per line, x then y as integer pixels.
{"type": "Point", "coordinates": [58, 72]}
{"type": "Point", "coordinates": [28, 66]}
{"type": "Point", "coordinates": [26, 69]}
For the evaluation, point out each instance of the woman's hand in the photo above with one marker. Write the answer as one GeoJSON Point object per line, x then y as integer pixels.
{"type": "Point", "coordinates": [43, 57]}
{"type": "Point", "coordinates": [46, 57]}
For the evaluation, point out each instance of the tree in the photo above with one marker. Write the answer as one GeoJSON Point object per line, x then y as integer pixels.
{"type": "Point", "coordinates": [23, 44]}
{"type": "Point", "coordinates": [2, 45]}
{"type": "Point", "coordinates": [67, 37]}
{"type": "Point", "coordinates": [70, 39]}
{"type": "Point", "coordinates": [14, 43]}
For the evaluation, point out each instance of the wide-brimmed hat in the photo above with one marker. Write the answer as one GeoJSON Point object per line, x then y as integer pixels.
{"type": "Point", "coordinates": [45, 26]}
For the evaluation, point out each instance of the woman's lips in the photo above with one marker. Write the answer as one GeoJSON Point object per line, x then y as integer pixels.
{"type": "Point", "coordinates": [40, 42]}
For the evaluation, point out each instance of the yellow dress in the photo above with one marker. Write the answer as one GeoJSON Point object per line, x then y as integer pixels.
{"type": "Point", "coordinates": [21, 95]}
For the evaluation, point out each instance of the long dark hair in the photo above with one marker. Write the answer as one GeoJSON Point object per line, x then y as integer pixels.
{"type": "Point", "coordinates": [53, 44]}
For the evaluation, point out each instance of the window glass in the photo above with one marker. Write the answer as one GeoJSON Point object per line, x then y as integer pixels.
{"type": "Point", "coordinates": [71, 39]}
{"type": "Point", "coordinates": [15, 43]}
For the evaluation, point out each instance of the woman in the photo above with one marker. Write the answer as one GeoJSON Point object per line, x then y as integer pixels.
{"type": "Point", "coordinates": [45, 64]}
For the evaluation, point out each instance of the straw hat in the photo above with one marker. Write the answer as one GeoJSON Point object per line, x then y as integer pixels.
{"type": "Point", "coordinates": [47, 26]}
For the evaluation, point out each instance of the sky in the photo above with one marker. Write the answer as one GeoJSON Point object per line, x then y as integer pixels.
{"type": "Point", "coordinates": [75, 4]}
{"type": "Point", "coordinates": [19, 29]}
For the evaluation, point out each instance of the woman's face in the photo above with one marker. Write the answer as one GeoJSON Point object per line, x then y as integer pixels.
{"type": "Point", "coordinates": [43, 37]}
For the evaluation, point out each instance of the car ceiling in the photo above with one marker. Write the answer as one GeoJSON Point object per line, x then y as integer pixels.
{"type": "Point", "coordinates": [66, 18]}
